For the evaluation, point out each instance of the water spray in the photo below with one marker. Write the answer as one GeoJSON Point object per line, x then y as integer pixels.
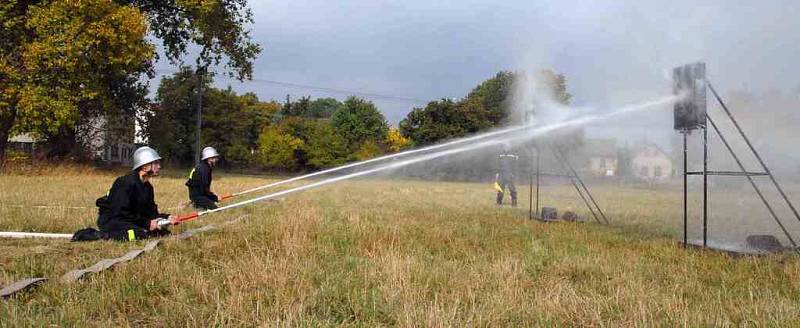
{"type": "Point", "coordinates": [519, 133]}
{"type": "Point", "coordinates": [525, 132]}
{"type": "Point", "coordinates": [378, 159]}
{"type": "Point", "coordinates": [570, 120]}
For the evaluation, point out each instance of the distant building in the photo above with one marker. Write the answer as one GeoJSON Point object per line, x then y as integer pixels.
{"type": "Point", "coordinates": [650, 163]}
{"type": "Point", "coordinates": [22, 143]}
{"type": "Point", "coordinates": [109, 142]}
{"type": "Point", "coordinates": [602, 156]}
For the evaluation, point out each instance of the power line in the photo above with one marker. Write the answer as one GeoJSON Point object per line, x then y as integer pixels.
{"type": "Point", "coordinates": [325, 89]}
{"type": "Point", "coordinates": [342, 91]}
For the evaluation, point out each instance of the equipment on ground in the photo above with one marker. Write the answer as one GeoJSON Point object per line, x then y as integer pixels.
{"type": "Point", "coordinates": [549, 214]}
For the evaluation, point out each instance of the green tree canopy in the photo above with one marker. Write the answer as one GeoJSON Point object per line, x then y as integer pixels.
{"type": "Point", "coordinates": [62, 60]}
{"type": "Point", "coordinates": [487, 105]}
{"type": "Point", "coordinates": [323, 107]}
{"type": "Point", "coordinates": [231, 123]}
{"type": "Point", "coordinates": [323, 147]}
{"type": "Point", "coordinates": [494, 95]}
{"type": "Point", "coordinates": [277, 147]}
{"type": "Point", "coordinates": [170, 124]}
{"type": "Point", "coordinates": [444, 119]}
{"type": "Point", "coordinates": [317, 108]}
{"type": "Point", "coordinates": [358, 120]}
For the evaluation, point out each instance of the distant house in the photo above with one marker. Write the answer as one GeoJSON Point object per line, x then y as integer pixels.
{"type": "Point", "coordinates": [118, 153]}
{"type": "Point", "coordinates": [602, 157]}
{"type": "Point", "coordinates": [652, 164]}
{"type": "Point", "coordinates": [109, 142]}
{"type": "Point", "coordinates": [22, 143]}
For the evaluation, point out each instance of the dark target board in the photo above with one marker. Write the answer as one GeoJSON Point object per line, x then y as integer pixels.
{"type": "Point", "coordinates": [690, 111]}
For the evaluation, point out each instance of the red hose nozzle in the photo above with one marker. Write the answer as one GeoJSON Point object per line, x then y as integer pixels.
{"type": "Point", "coordinates": [187, 217]}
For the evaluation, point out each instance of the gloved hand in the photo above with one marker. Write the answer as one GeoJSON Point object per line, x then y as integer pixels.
{"type": "Point", "coordinates": [162, 223]}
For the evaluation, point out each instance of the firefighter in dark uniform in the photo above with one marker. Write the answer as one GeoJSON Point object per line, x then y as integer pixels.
{"type": "Point", "coordinates": [506, 166]}
{"type": "Point", "coordinates": [128, 211]}
{"type": "Point", "coordinates": [200, 178]}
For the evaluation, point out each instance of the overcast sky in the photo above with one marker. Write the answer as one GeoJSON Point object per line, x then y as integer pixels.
{"type": "Point", "coordinates": [612, 52]}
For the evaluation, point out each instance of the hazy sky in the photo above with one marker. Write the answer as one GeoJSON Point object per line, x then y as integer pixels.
{"type": "Point", "coordinates": [612, 52]}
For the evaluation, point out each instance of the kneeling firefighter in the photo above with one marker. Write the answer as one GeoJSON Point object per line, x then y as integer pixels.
{"type": "Point", "coordinates": [128, 211]}
{"type": "Point", "coordinates": [200, 178]}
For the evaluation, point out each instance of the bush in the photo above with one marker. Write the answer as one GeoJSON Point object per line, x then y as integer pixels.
{"type": "Point", "coordinates": [276, 148]}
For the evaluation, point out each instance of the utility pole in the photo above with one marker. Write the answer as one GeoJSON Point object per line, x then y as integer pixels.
{"type": "Point", "coordinates": [199, 113]}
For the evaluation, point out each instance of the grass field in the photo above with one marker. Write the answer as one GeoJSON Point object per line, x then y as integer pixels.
{"type": "Point", "coordinates": [386, 253]}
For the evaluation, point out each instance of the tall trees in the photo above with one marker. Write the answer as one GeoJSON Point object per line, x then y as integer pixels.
{"type": "Point", "coordinates": [231, 123]}
{"type": "Point", "coordinates": [487, 105]}
{"type": "Point", "coordinates": [359, 121]}
{"type": "Point", "coordinates": [62, 60]}
{"type": "Point", "coordinates": [444, 119]}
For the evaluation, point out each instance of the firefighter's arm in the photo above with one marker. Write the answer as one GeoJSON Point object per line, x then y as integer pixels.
{"type": "Point", "coordinates": [163, 222]}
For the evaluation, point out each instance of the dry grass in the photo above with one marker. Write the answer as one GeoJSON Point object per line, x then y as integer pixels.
{"type": "Point", "coordinates": [389, 253]}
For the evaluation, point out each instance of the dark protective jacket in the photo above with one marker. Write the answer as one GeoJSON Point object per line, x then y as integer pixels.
{"type": "Point", "coordinates": [199, 184]}
{"type": "Point", "coordinates": [507, 165]}
{"type": "Point", "coordinates": [129, 205]}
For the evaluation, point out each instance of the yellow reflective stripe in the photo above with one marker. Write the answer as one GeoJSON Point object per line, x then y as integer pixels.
{"type": "Point", "coordinates": [108, 193]}
{"type": "Point", "coordinates": [190, 174]}
{"type": "Point", "coordinates": [498, 187]}
{"type": "Point", "coordinates": [131, 235]}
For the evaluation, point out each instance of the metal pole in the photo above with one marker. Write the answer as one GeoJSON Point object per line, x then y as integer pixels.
{"type": "Point", "coordinates": [530, 195]}
{"type": "Point", "coordinates": [685, 191]}
{"type": "Point", "coordinates": [574, 176]}
{"type": "Point", "coordinates": [705, 186]}
{"type": "Point", "coordinates": [753, 149]}
{"type": "Point", "coordinates": [199, 114]}
{"type": "Point", "coordinates": [752, 182]}
{"type": "Point", "coordinates": [538, 174]}
{"type": "Point", "coordinates": [565, 159]}
{"type": "Point", "coordinates": [530, 179]}
{"type": "Point", "coordinates": [572, 180]}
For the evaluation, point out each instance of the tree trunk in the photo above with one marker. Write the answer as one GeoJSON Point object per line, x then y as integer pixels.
{"type": "Point", "coordinates": [6, 122]}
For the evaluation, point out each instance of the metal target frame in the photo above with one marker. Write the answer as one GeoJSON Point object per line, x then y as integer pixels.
{"type": "Point", "coordinates": [580, 187]}
{"type": "Point", "coordinates": [690, 114]}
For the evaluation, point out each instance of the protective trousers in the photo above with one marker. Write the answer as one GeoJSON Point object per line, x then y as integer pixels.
{"type": "Point", "coordinates": [507, 183]}
{"type": "Point", "coordinates": [203, 202]}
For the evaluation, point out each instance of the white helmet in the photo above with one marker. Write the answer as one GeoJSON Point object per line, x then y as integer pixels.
{"type": "Point", "coordinates": [208, 152]}
{"type": "Point", "coordinates": [144, 155]}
